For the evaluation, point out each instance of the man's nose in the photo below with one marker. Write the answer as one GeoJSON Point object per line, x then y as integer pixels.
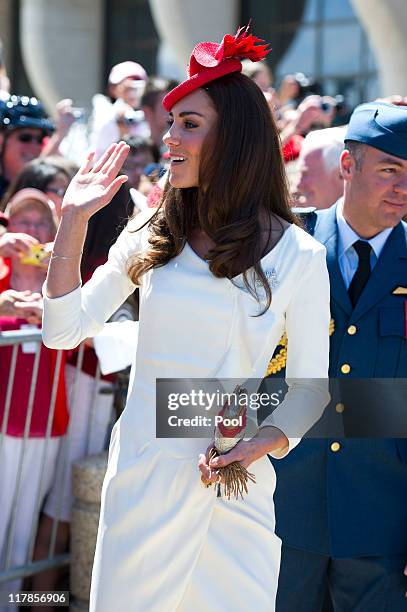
{"type": "Point", "coordinates": [303, 181]}
{"type": "Point", "coordinates": [400, 185]}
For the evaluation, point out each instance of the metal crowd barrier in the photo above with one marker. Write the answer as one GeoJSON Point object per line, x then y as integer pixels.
{"type": "Point", "coordinates": [15, 339]}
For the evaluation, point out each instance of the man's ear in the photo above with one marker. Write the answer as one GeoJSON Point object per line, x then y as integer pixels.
{"type": "Point", "coordinates": [347, 164]}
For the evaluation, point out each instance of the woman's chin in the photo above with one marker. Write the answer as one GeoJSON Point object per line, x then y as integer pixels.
{"type": "Point", "coordinates": [180, 182]}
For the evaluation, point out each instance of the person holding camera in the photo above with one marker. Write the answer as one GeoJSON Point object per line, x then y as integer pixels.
{"type": "Point", "coordinates": [314, 112]}
{"type": "Point", "coordinates": [32, 446]}
{"type": "Point", "coordinates": [122, 116]}
{"type": "Point", "coordinates": [24, 303]}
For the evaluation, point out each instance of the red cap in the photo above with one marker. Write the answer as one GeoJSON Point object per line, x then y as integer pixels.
{"type": "Point", "coordinates": [210, 61]}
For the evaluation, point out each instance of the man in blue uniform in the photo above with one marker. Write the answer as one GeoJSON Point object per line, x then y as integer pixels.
{"type": "Point", "coordinates": [341, 504]}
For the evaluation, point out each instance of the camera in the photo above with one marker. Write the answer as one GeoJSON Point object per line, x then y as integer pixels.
{"type": "Point", "coordinates": [131, 117]}
{"type": "Point", "coordinates": [38, 255]}
{"type": "Point", "coordinates": [326, 106]}
{"type": "Point", "coordinates": [338, 103]}
{"type": "Point", "coordinates": [78, 113]}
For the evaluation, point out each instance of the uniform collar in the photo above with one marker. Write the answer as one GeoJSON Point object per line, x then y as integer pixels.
{"type": "Point", "coordinates": [348, 236]}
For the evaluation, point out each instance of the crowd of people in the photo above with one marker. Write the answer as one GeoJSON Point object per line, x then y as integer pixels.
{"type": "Point", "coordinates": [340, 505]}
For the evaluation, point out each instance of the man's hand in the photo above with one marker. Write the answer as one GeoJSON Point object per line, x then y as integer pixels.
{"type": "Point", "coordinates": [405, 573]}
{"type": "Point", "coordinates": [23, 304]}
{"type": "Point", "coordinates": [13, 244]}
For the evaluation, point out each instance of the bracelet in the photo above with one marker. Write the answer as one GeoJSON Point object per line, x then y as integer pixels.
{"type": "Point", "coordinates": [56, 256]}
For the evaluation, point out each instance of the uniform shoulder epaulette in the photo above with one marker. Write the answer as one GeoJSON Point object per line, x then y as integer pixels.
{"type": "Point", "coordinates": [279, 359]}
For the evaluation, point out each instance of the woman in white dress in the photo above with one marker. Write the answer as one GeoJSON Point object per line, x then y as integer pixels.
{"type": "Point", "coordinates": [223, 271]}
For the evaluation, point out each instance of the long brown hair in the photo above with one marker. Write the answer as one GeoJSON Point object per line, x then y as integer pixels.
{"type": "Point", "coordinates": [242, 182]}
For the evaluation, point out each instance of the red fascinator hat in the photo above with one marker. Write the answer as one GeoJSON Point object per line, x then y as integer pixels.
{"type": "Point", "coordinates": [210, 61]}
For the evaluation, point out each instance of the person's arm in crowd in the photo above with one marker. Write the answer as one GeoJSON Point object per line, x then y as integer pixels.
{"type": "Point", "coordinates": [65, 118]}
{"type": "Point", "coordinates": [13, 243]}
{"type": "Point", "coordinates": [4, 82]}
{"type": "Point", "coordinates": [288, 89]}
{"type": "Point", "coordinates": [394, 99]}
{"type": "Point", "coordinates": [91, 189]}
{"type": "Point", "coordinates": [312, 110]}
{"type": "Point", "coordinates": [22, 304]}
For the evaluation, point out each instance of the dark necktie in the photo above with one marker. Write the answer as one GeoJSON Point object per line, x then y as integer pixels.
{"type": "Point", "coordinates": [363, 249]}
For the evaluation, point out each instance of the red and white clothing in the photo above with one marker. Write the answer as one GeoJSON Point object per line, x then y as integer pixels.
{"type": "Point", "coordinates": [22, 380]}
{"type": "Point", "coordinates": [27, 464]}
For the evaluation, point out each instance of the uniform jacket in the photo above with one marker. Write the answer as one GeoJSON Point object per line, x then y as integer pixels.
{"type": "Point", "coordinates": [353, 502]}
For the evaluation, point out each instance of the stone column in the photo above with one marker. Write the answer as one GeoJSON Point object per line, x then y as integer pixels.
{"type": "Point", "coordinates": [385, 22]}
{"type": "Point", "coordinates": [87, 480]}
{"type": "Point", "coordinates": [6, 35]}
{"type": "Point", "coordinates": [62, 48]}
{"type": "Point", "coordinates": [183, 23]}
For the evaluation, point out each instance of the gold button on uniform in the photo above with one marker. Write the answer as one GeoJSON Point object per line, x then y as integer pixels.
{"type": "Point", "coordinates": [340, 407]}
{"type": "Point", "coordinates": [345, 368]}
{"type": "Point", "coordinates": [352, 329]}
{"type": "Point", "coordinates": [335, 446]}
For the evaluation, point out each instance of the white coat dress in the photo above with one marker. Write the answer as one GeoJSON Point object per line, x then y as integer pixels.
{"type": "Point", "coordinates": [165, 543]}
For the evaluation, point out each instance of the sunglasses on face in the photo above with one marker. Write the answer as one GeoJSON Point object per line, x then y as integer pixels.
{"type": "Point", "coordinates": [27, 138]}
{"type": "Point", "coordinates": [26, 225]}
{"type": "Point", "coordinates": [59, 192]}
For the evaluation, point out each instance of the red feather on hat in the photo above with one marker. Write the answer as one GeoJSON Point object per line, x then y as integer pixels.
{"type": "Point", "coordinates": [240, 46]}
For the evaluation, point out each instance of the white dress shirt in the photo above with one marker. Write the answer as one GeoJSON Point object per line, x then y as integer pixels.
{"type": "Point", "coordinates": [347, 256]}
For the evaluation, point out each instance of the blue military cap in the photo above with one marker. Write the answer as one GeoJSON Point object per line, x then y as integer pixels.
{"type": "Point", "coordinates": [380, 125]}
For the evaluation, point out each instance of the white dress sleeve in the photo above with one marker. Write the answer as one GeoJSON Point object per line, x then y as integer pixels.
{"type": "Point", "coordinates": [307, 327]}
{"type": "Point", "coordinates": [69, 319]}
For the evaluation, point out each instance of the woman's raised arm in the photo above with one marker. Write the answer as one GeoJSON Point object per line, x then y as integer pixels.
{"type": "Point", "coordinates": [92, 188]}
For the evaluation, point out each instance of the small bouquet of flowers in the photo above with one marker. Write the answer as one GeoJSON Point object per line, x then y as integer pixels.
{"type": "Point", "coordinates": [228, 433]}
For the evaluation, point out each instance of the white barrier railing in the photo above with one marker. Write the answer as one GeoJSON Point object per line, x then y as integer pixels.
{"type": "Point", "coordinates": [91, 416]}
